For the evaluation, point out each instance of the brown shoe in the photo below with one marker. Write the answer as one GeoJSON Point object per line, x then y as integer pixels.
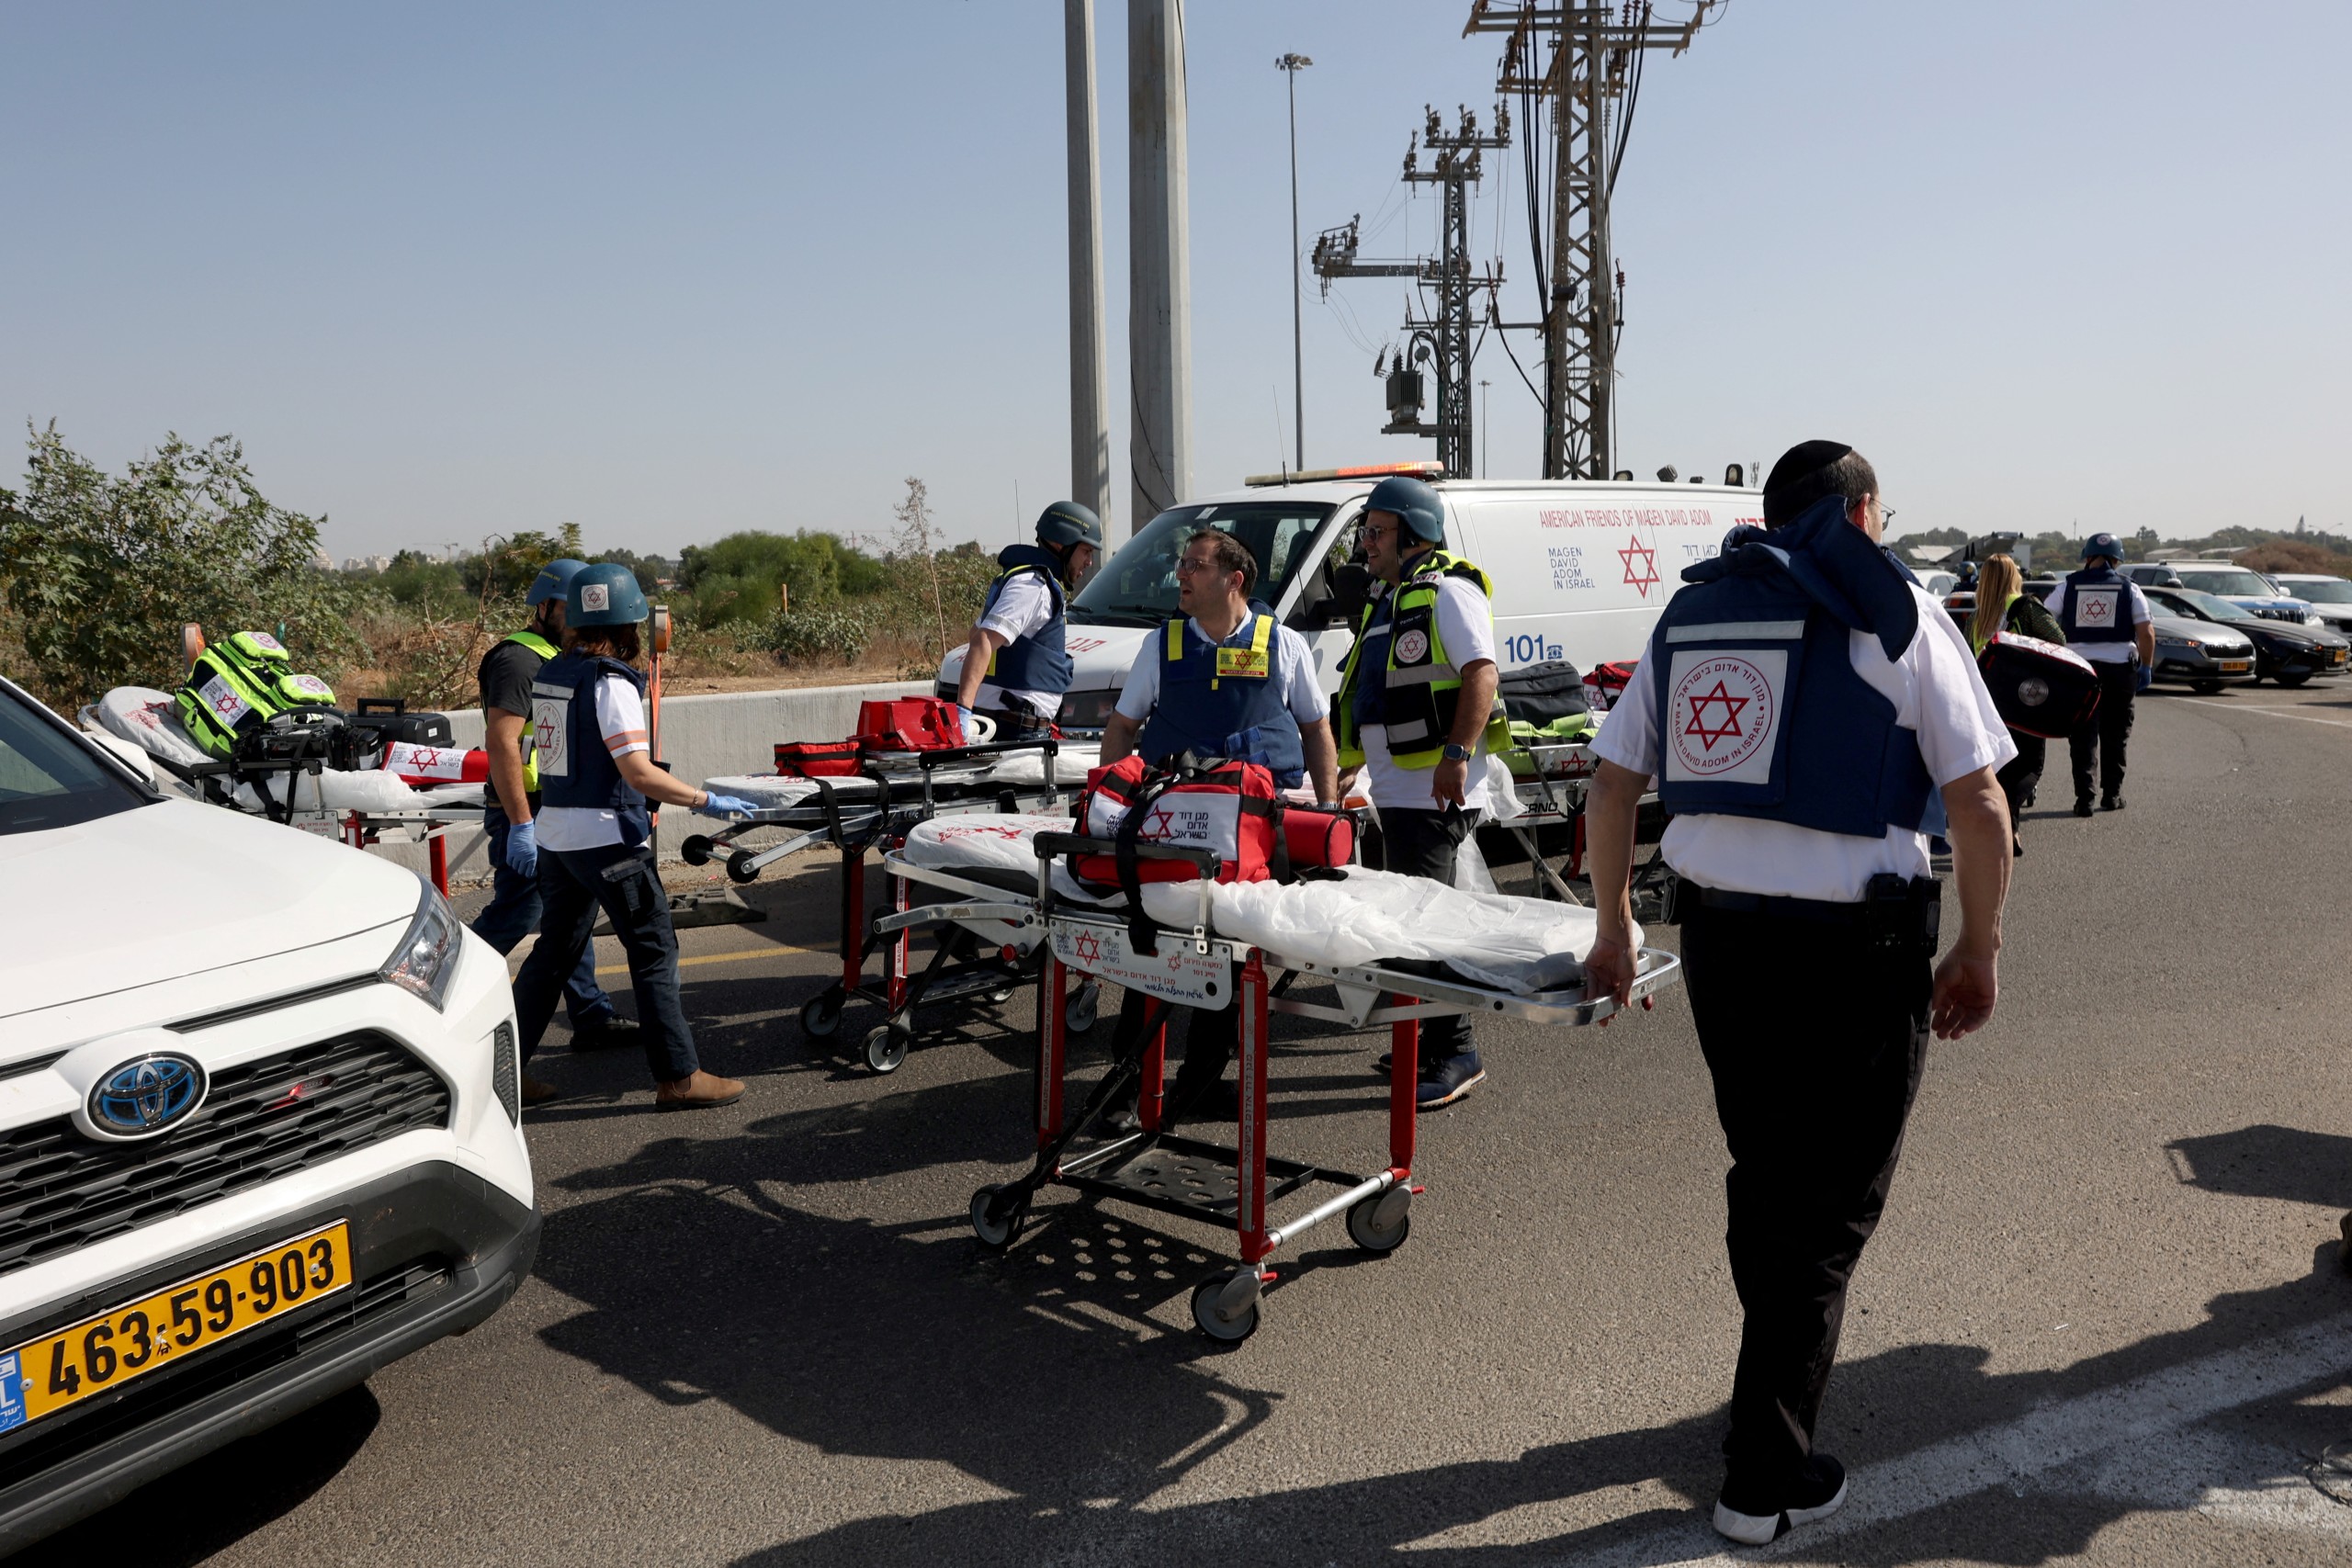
{"type": "Point", "coordinates": [537, 1091]}
{"type": "Point", "coordinates": [700, 1092]}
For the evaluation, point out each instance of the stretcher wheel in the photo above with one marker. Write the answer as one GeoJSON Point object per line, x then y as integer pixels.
{"type": "Point", "coordinates": [1001, 1230]}
{"type": "Point", "coordinates": [1225, 1307]}
{"type": "Point", "coordinates": [886, 1047]}
{"type": "Point", "coordinates": [821, 1014]}
{"type": "Point", "coordinates": [740, 867]}
{"type": "Point", "coordinates": [1382, 1222]}
{"type": "Point", "coordinates": [1078, 1013]}
{"type": "Point", "coordinates": [696, 850]}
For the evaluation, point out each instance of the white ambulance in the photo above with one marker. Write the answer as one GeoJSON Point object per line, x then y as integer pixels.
{"type": "Point", "coordinates": [1581, 568]}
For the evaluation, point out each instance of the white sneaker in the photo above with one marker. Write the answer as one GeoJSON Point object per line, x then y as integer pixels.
{"type": "Point", "coordinates": [1823, 1473]}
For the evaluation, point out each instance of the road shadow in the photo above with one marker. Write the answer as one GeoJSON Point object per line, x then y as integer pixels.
{"type": "Point", "coordinates": [2269, 1161]}
{"type": "Point", "coordinates": [216, 1501]}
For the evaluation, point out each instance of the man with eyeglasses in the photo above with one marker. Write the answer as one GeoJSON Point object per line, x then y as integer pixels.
{"type": "Point", "coordinates": [1418, 712]}
{"type": "Point", "coordinates": [1811, 715]}
{"type": "Point", "coordinates": [1222, 679]}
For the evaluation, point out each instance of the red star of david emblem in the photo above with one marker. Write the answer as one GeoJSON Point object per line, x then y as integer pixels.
{"type": "Point", "coordinates": [1644, 577]}
{"type": "Point", "coordinates": [427, 758]}
{"type": "Point", "coordinates": [1089, 950]}
{"type": "Point", "coordinates": [1729, 726]}
{"type": "Point", "coordinates": [225, 703]}
{"type": "Point", "coordinates": [1158, 824]}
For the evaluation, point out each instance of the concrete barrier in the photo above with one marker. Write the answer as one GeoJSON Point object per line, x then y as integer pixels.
{"type": "Point", "coordinates": [703, 737]}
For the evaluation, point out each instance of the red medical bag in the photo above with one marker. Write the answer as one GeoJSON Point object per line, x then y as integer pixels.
{"type": "Point", "coordinates": [1605, 684]}
{"type": "Point", "coordinates": [2039, 687]}
{"type": "Point", "coordinates": [816, 759]}
{"type": "Point", "coordinates": [1228, 808]}
{"type": "Point", "coordinates": [425, 766]}
{"type": "Point", "coordinates": [1319, 835]}
{"type": "Point", "coordinates": [909, 723]}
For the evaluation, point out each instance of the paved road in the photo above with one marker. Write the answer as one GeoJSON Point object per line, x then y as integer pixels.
{"type": "Point", "coordinates": [2105, 1320]}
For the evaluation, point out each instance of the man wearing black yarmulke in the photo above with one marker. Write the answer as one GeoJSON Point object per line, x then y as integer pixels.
{"type": "Point", "coordinates": [1811, 717]}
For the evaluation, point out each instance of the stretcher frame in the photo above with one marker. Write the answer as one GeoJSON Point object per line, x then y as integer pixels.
{"type": "Point", "coordinates": [1149, 1165]}
{"type": "Point", "coordinates": [960, 968]}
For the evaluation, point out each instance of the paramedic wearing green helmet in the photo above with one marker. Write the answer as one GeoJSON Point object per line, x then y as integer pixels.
{"type": "Point", "coordinates": [1415, 715]}
{"type": "Point", "coordinates": [595, 835]}
{"type": "Point", "coordinates": [512, 802]}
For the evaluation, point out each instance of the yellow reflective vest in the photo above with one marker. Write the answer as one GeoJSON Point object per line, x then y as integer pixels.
{"type": "Point", "coordinates": [1422, 690]}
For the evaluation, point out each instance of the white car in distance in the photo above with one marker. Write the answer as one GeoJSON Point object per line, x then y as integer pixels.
{"type": "Point", "coordinates": [259, 1123]}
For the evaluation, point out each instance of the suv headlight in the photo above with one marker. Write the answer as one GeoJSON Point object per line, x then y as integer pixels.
{"type": "Point", "coordinates": [425, 962]}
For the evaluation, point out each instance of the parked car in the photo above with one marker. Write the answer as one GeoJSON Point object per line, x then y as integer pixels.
{"type": "Point", "coordinates": [2329, 597]}
{"type": "Point", "coordinates": [2230, 581]}
{"type": "Point", "coordinates": [2289, 654]}
{"type": "Point", "coordinates": [261, 1129]}
{"type": "Point", "coordinates": [2203, 655]}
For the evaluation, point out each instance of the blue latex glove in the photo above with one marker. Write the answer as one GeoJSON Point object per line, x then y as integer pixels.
{"type": "Point", "coordinates": [523, 848]}
{"type": "Point", "coordinates": [727, 806]}
{"type": "Point", "coordinates": [964, 716]}
{"type": "Point", "coordinates": [2146, 678]}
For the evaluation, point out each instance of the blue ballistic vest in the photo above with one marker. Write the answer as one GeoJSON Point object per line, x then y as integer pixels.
{"type": "Point", "coordinates": [1223, 700]}
{"type": "Point", "coordinates": [1366, 702]}
{"type": "Point", "coordinates": [574, 767]}
{"type": "Point", "coordinates": [2103, 592]}
{"type": "Point", "coordinates": [1040, 662]}
{"type": "Point", "coordinates": [1760, 710]}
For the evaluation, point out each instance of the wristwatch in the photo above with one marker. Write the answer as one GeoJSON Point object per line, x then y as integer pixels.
{"type": "Point", "coordinates": [1456, 753]}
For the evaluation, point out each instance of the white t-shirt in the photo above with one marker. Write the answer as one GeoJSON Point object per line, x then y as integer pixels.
{"type": "Point", "coordinates": [1022, 609]}
{"type": "Point", "coordinates": [1294, 673]}
{"type": "Point", "coordinates": [620, 715]}
{"type": "Point", "coordinates": [2105, 652]}
{"type": "Point", "coordinates": [1466, 625]}
{"type": "Point", "coordinates": [1937, 693]}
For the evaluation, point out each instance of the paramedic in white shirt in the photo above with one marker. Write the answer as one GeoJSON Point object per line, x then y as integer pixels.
{"type": "Point", "coordinates": [1799, 813]}
{"type": "Point", "coordinates": [1016, 666]}
{"type": "Point", "coordinates": [2107, 620]}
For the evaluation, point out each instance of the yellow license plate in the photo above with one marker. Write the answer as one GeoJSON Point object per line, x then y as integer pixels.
{"type": "Point", "coordinates": [99, 1354]}
{"type": "Point", "coordinates": [2234, 666]}
{"type": "Point", "coordinates": [2336, 655]}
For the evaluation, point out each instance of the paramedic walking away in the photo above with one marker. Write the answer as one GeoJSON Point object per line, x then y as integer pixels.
{"type": "Point", "coordinates": [1415, 715]}
{"type": "Point", "coordinates": [596, 774]}
{"type": "Point", "coordinates": [2106, 621]}
{"type": "Point", "coordinates": [1221, 681]}
{"type": "Point", "coordinates": [1015, 666]}
{"type": "Point", "coordinates": [2003, 606]}
{"type": "Point", "coordinates": [1811, 715]}
{"type": "Point", "coordinates": [510, 805]}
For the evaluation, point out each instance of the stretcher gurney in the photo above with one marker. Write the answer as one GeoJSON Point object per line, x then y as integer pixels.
{"type": "Point", "coordinates": [1198, 949]}
{"type": "Point", "coordinates": [876, 807]}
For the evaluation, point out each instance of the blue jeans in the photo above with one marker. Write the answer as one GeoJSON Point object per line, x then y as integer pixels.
{"type": "Point", "coordinates": [575, 884]}
{"type": "Point", "coordinates": [513, 913]}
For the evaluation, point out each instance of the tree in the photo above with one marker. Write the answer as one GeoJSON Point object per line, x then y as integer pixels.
{"type": "Point", "coordinates": [505, 567]}
{"type": "Point", "coordinates": [101, 572]}
{"type": "Point", "coordinates": [917, 538]}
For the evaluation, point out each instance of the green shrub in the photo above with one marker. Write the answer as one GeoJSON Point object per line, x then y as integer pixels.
{"type": "Point", "coordinates": [824, 633]}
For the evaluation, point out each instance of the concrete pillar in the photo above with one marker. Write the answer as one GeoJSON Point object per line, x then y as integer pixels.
{"type": "Point", "coordinates": [1090, 413]}
{"type": "Point", "coordinates": [1159, 289]}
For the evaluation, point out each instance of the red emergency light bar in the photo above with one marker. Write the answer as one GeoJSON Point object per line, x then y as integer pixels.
{"type": "Point", "coordinates": [1366, 471]}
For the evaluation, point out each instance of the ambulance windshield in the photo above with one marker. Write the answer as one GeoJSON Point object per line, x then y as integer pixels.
{"type": "Point", "coordinates": [1138, 585]}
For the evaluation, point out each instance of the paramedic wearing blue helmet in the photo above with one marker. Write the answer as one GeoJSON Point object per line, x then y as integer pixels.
{"type": "Point", "coordinates": [2107, 620]}
{"type": "Point", "coordinates": [596, 774]}
{"type": "Point", "coordinates": [1222, 679]}
{"type": "Point", "coordinates": [511, 801]}
{"type": "Point", "coordinates": [1016, 666]}
{"type": "Point", "coordinates": [1416, 712]}
{"type": "Point", "coordinates": [1811, 717]}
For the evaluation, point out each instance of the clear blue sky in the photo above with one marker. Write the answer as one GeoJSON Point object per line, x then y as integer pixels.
{"type": "Point", "coordinates": [453, 270]}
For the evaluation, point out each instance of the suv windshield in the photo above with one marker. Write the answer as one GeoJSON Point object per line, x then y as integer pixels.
{"type": "Point", "coordinates": [48, 779]}
{"type": "Point", "coordinates": [2326, 590]}
{"type": "Point", "coordinates": [1137, 586]}
{"type": "Point", "coordinates": [2212, 608]}
{"type": "Point", "coordinates": [2248, 583]}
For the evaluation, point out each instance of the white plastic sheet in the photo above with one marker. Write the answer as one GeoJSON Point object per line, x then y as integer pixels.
{"type": "Point", "coordinates": [329, 790]}
{"type": "Point", "coordinates": [145, 716]}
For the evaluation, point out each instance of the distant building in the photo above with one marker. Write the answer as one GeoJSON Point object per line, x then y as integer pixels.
{"type": "Point", "coordinates": [367, 563]}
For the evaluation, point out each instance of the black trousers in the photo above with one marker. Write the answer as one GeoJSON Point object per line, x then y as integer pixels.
{"type": "Point", "coordinates": [621, 882]}
{"type": "Point", "coordinates": [1813, 1094]}
{"type": "Point", "coordinates": [2108, 735]}
{"type": "Point", "coordinates": [1425, 843]}
{"type": "Point", "coordinates": [2018, 777]}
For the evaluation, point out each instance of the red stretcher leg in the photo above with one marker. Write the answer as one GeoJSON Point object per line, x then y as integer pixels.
{"type": "Point", "coordinates": [1404, 1074]}
{"type": "Point", "coordinates": [1249, 1164]}
{"type": "Point", "coordinates": [1151, 1098]}
{"type": "Point", "coordinates": [437, 855]}
{"type": "Point", "coordinates": [1052, 1042]}
{"type": "Point", "coordinates": [852, 918]}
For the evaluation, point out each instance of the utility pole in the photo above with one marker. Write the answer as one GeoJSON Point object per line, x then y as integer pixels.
{"type": "Point", "coordinates": [1441, 340]}
{"type": "Point", "coordinates": [1290, 66]}
{"type": "Point", "coordinates": [1159, 304]}
{"type": "Point", "coordinates": [1590, 85]}
{"type": "Point", "coordinates": [1089, 425]}
{"type": "Point", "coordinates": [1486, 429]}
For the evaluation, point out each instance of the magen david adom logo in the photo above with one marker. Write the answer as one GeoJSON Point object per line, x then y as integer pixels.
{"type": "Point", "coordinates": [596, 596]}
{"type": "Point", "coordinates": [1723, 714]}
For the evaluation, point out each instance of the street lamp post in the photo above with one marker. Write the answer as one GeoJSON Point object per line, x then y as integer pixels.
{"type": "Point", "coordinates": [1290, 66]}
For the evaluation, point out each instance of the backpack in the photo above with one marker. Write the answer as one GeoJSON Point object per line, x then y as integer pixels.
{"type": "Point", "coordinates": [240, 684]}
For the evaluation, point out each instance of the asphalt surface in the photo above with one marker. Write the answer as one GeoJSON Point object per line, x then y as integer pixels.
{"type": "Point", "coordinates": [2105, 1320]}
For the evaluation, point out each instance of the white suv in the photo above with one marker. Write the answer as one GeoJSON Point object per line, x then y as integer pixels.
{"type": "Point", "coordinates": [258, 1124]}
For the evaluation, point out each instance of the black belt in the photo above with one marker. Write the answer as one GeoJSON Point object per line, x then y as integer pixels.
{"type": "Point", "coordinates": [1896, 911]}
{"type": "Point", "coordinates": [1820, 909]}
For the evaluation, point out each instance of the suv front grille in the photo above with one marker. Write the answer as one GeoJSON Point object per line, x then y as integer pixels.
{"type": "Point", "coordinates": [59, 1191]}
